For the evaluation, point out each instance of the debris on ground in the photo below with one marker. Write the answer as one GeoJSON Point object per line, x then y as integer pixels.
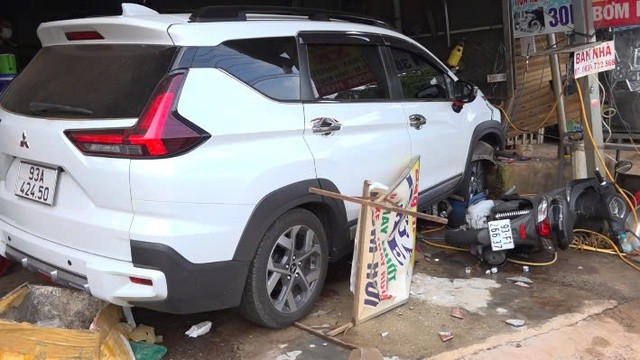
{"type": "Point", "coordinates": [146, 351]}
{"type": "Point", "coordinates": [321, 312]}
{"type": "Point", "coordinates": [445, 336]}
{"type": "Point", "coordinates": [515, 322]}
{"type": "Point", "coordinates": [365, 354]}
{"type": "Point", "coordinates": [384, 334]}
{"type": "Point", "coordinates": [457, 313]}
{"type": "Point", "coordinates": [291, 355]}
{"type": "Point", "coordinates": [521, 284]}
{"type": "Point", "coordinates": [311, 346]}
{"type": "Point", "coordinates": [143, 333]}
{"type": "Point", "coordinates": [525, 269]}
{"type": "Point", "coordinates": [523, 279]}
{"type": "Point", "coordinates": [282, 346]}
{"type": "Point", "coordinates": [199, 329]}
{"type": "Point", "coordinates": [494, 270]}
{"type": "Point", "coordinates": [502, 311]}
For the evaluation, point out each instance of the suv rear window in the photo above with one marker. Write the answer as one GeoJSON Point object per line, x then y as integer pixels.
{"type": "Point", "coordinates": [89, 81]}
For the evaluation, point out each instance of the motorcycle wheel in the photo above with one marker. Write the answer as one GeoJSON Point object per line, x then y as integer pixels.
{"type": "Point", "coordinates": [494, 258]}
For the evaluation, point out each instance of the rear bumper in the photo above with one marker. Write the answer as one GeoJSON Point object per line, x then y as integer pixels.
{"type": "Point", "coordinates": [105, 278]}
{"type": "Point", "coordinates": [178, 286]}
{"type": "Point", "coordinates": [191, 287]}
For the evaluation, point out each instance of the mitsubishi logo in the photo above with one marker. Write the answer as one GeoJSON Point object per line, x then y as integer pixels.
{"type": "Point", "coordinates": [24, 143]}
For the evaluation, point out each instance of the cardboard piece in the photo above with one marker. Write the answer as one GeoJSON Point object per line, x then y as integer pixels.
{"type": "Point", "coordinates": [22, 338]}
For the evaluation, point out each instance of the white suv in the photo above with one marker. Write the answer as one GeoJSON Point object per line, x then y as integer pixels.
{"type": "Point", "coordinates": [164, 160]}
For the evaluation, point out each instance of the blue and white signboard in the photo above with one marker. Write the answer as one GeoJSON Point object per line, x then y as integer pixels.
{"type": "Point", "coordinates": [537, 17]}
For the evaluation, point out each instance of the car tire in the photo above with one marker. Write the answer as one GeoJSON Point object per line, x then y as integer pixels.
{"type": "Point", "coordinates": [288, 271]}
{"type": "Point", "coordinates": [475, 180]}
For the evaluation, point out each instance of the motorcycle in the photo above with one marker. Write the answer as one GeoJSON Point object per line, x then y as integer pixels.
{"type": "Point", "coordinates": [542, 223]}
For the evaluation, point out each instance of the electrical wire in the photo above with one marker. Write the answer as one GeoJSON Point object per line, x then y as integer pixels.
{"type": "Point", "coordinates": [541, 124]}
{"type": "Point", "coordinates": [624, 123]}
{"type": "Point", "coordinates": [427, 231]}
{"type": "Point", "coordinates": [443, 246]}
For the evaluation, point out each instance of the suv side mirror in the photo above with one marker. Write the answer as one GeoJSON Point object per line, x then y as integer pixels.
{"type": "Point", "coordinates": [463, 92]}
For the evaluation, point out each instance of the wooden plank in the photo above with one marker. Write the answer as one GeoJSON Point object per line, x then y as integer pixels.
{"type": "Point", "coordinates": [376, 205]}
{"type": "Point", "coordinates": [321, 335]}
{"type": "Point", "coordinates": [340, 329]}
{"type": "Point", "coordinates": [360, 242]}
{"type": "Point", "coordinates": [13, 298]}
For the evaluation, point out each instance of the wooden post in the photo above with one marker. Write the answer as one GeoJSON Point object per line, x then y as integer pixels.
{"type": "Point", "coordinates": [364, 209]}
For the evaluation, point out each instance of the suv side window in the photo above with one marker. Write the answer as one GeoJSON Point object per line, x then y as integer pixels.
{"type": "Point", "coordinates": [347, 72]}
{"type": "Point", "coordinates": [269, 65]}
{"type": "Point", "coordinates": [419, 77]}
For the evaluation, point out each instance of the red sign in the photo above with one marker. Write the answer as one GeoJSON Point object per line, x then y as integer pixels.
{"type": "Point", "coordinates": [612, 13]}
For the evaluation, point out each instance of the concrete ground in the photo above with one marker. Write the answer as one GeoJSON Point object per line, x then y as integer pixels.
{"type": "Point", "coordinates": [584, 306]}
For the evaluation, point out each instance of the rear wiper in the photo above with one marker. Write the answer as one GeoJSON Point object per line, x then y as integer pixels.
{"type": "Point", "coordinates": [42, 108]}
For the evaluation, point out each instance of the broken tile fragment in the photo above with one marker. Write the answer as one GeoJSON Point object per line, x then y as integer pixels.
{"type": "Point", "coordinates": [445, 336]}
{"type": "Point", "coordinates": [515, 322]}
{"type": "Point", "coordinates": [520, 279]}
{"type": "Point", "coordinates": [457, 313]}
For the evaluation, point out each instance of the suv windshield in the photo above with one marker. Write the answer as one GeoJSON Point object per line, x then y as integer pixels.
{"type": "Point", "coordinates": [89, 81]}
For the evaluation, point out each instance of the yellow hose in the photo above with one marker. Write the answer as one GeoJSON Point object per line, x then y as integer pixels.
{"type": "Point", "coordinates": [613, 245]}
{"type": "Point", "coordinates": [448, 247]}
{"type": "Point", "coordinates": [597, 151]}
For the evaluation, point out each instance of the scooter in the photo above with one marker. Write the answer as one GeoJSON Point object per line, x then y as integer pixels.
{"type": "Point", "coordinates": [542, 223]}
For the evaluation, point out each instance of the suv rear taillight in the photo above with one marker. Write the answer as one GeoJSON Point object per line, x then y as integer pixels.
{"type": "Point", "coordinates": [160, 131]}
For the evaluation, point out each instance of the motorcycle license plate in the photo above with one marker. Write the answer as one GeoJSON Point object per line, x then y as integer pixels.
{"type": "Point", "coordinates": [501, 235]}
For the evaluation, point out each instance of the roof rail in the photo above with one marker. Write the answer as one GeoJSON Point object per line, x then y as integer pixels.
{"type": "Point", "coordinates": [239, 13]}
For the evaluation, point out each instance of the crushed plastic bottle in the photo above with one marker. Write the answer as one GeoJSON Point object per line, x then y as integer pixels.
{"type": "Point", "coordinates": [199, 329]}
{"type": "Point", "coordinates": [625, 244]}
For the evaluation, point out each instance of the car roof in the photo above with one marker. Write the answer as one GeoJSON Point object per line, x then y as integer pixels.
{"type": "Point", "coordinates": [207, 26]}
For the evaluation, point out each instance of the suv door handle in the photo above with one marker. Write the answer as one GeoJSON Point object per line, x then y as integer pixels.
{"type": "Point", "coordinates": [417, 120]}
{"type": "Point", "coordinates": [325, 126]}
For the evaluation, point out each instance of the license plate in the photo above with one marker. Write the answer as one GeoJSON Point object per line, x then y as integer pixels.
{"type": "Point", "coordinates": [36, 182]}
{"type": "Point", "coordinates": [501, 235]}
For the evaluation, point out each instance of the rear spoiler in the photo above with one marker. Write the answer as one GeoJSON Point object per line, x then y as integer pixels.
{"type": "Point", "coordinates": [136, 25]}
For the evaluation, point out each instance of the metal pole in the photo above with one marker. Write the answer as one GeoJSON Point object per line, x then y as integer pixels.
{"type": "Point", "coordinates": [508, 44]}
{"type": "Point", "coordinates": [397, 15]}
{"type": "Point", "coordinates": [585, 33]}
{"type": "Point", "coordinates": [446, 22]}
{"type": "Point", "coordinates": [560, 111]}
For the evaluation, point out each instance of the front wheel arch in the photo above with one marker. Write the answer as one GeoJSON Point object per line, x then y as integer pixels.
{"type": "Point", "coordinates": [487, 137]}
